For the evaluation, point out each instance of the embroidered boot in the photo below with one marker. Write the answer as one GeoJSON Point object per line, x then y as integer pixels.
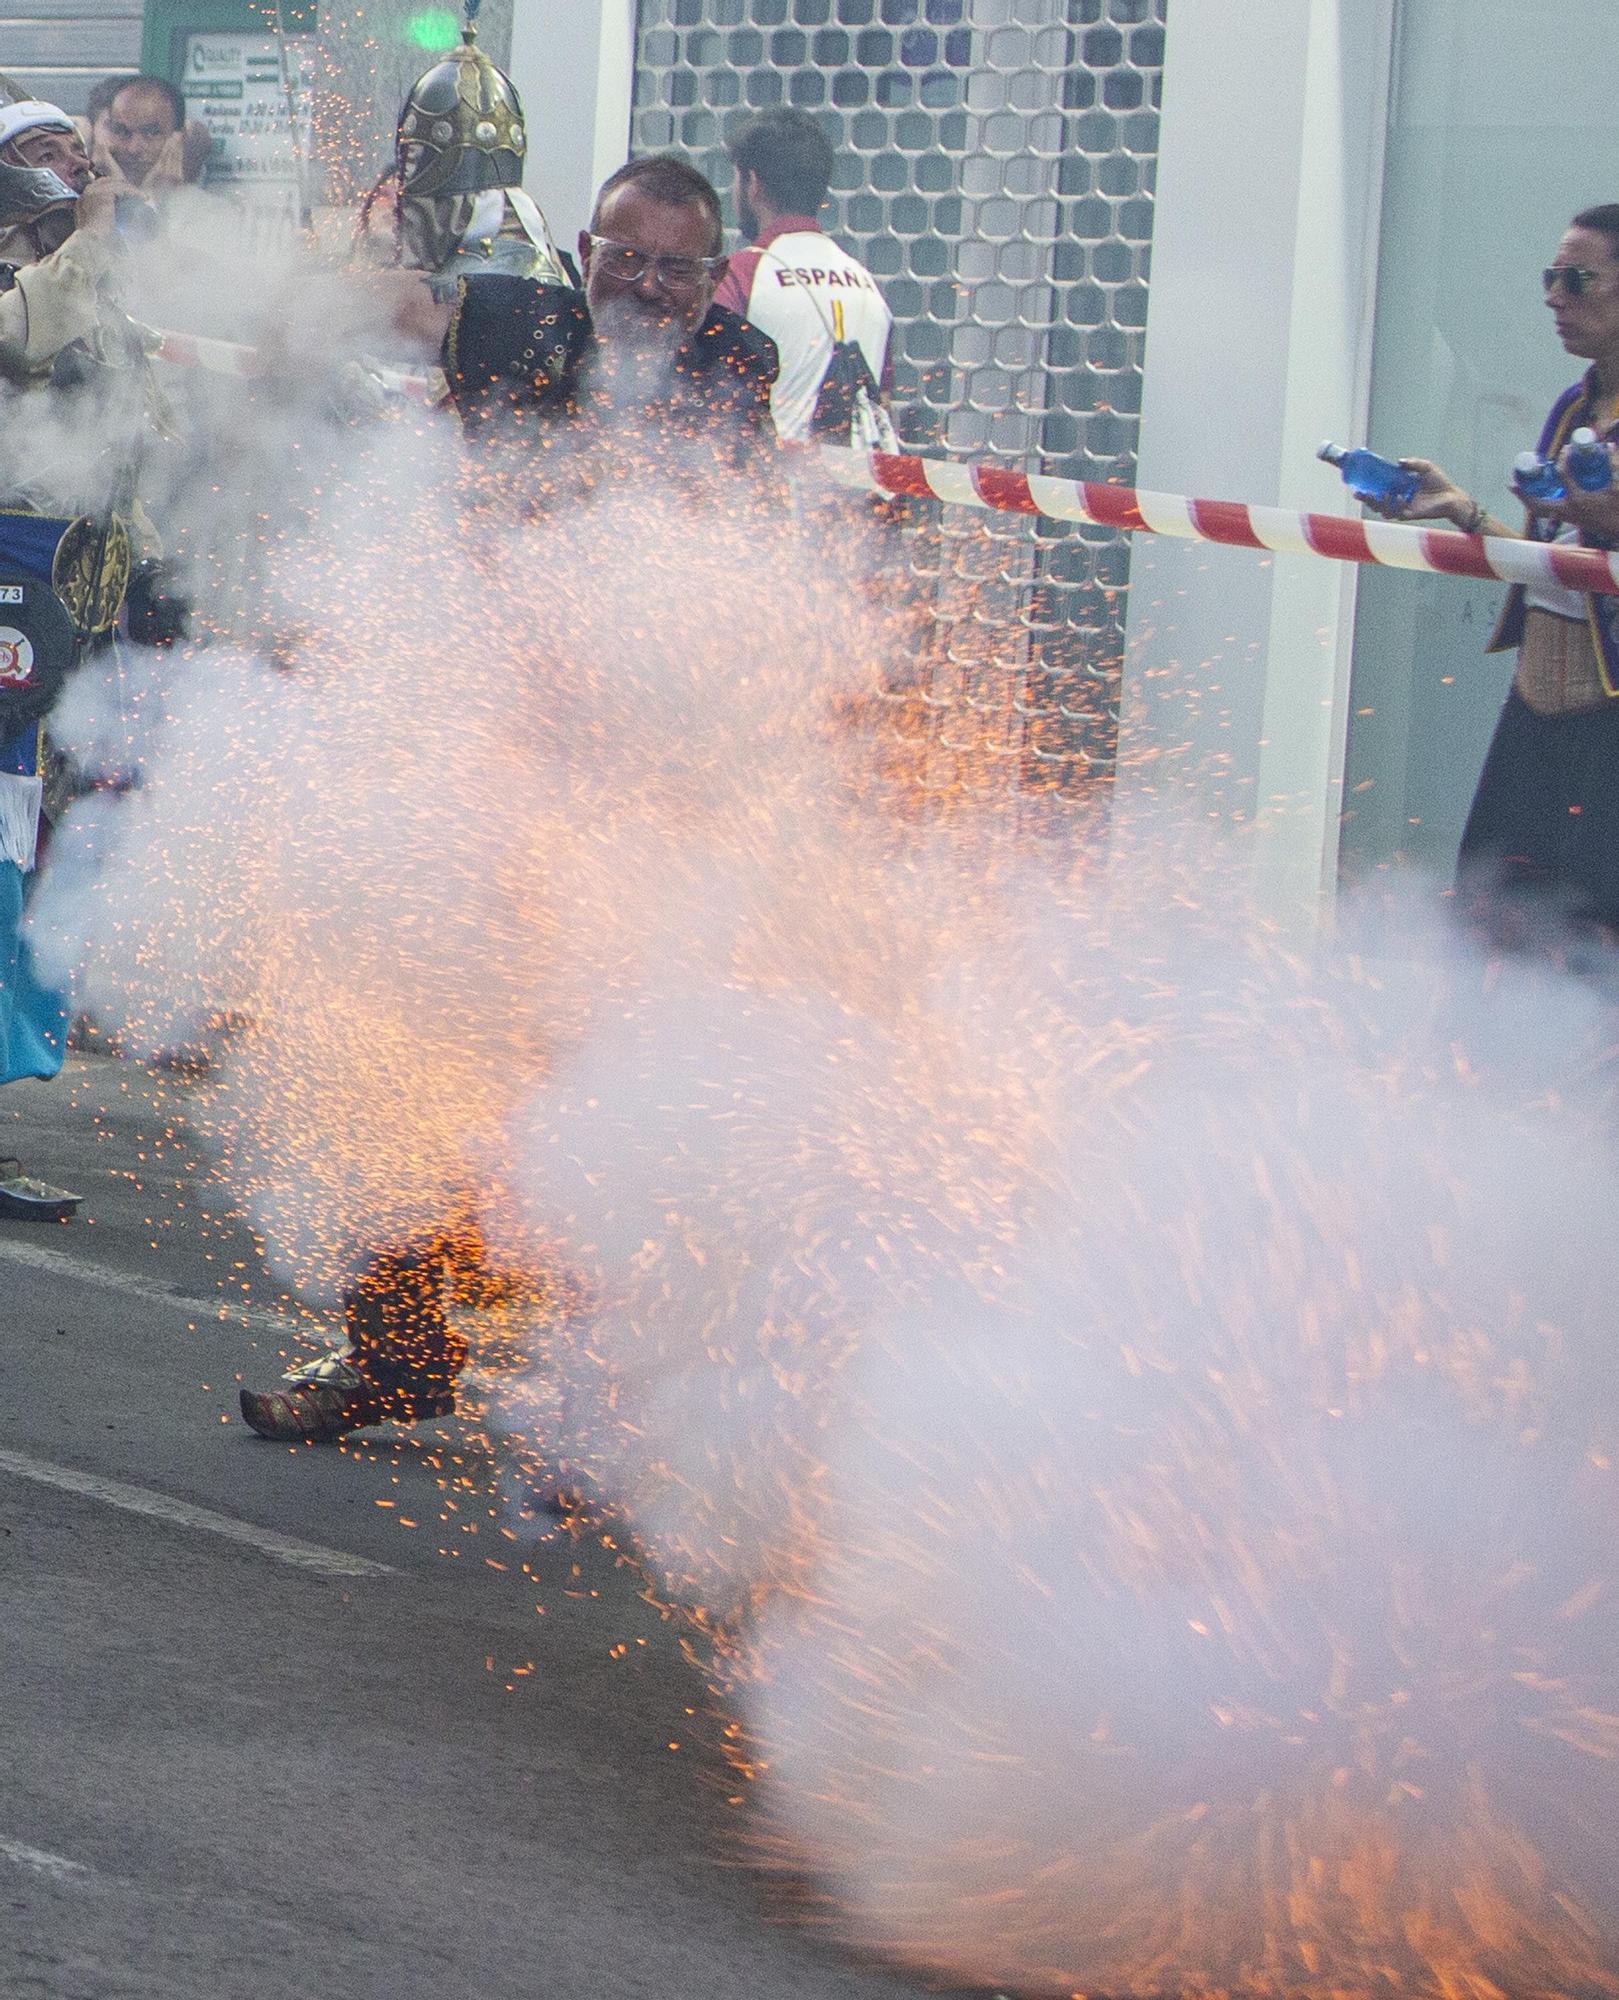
{"type": "Point", "coordinates": [398, 1365]}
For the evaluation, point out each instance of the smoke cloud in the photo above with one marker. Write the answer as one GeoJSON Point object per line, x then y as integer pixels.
{"type": "Point", "coordinates": [1142, 1412]}
{"type": "Point", "coordinates": [1132, 1404]}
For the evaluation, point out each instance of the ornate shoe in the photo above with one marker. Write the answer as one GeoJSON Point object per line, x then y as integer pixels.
{"type": "Point", "coordinates": [25, 1199]}
{"type": "Point", "coordinates": [399, 1364]}
{"type": "Point", "coordinates": [326, 1398]}
{"type": "Point", "coordinates": [323, 1399]}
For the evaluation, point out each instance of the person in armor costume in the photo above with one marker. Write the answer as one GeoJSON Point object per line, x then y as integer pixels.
{"type": "Point", "coordinates": [455, 192]}
{"type": "Point", "coordinates": [641, 354]}
{"type": "Point", "coordinates": [460, 215]}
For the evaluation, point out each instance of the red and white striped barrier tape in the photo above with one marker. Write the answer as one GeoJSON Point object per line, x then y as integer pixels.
{"type": "Point", "coordinates": [1498, 558]}
{"type": "Point", "coordinates": [1281, 530]}
{"type": "Point", "coordinates": [229, 357]}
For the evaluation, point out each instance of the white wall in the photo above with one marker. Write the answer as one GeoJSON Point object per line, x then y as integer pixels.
{"type": "Point", "coordinates": [1258, 347]}
{"type": "Point", "coordinates": [573, 62]}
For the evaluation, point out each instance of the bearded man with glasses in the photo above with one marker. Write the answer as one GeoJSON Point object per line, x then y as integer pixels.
{"type": "Point", "coordinates": [1540, 852]}
{"type": "Point", "coordinates": [664, 371]}
{"type": "Point", "coordinates": [637, 370]}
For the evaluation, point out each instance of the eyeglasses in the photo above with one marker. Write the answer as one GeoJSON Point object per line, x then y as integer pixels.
{"type": "Point", "coordinates": [1575, 279]}
{"type": "Point", "coordinates": [625, 264]}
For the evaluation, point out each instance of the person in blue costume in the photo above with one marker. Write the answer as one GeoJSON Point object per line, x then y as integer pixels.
{"type": "Point", "coordinates": [33, 1017]}
{"type": "Point", "coordinates": [37, 643]}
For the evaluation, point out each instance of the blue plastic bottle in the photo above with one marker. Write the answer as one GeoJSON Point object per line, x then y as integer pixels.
{"type": "Point", "coordinates": [1369, 477]}
{"type": "Point", "coordinates": [1536, 478]}
{"type": "Point", "coordinates": [1588, 463]}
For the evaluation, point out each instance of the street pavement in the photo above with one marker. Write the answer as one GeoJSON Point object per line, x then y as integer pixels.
{"type": "Point", "coordinates": [258, 1736]}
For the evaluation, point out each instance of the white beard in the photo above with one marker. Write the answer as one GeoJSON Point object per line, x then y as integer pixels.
{"type": "Point", "coordinates": [637, 352]}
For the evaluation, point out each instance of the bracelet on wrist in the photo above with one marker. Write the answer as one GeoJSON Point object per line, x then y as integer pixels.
{"type": "Point", "coordinates": [1474, 519]}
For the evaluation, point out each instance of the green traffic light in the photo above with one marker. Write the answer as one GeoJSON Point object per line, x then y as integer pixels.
{"type": "Point", "coordinates": [436, 28]}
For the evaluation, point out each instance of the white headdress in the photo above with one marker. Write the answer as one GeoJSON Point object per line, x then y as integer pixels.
{"type": "Point", "coordinates": [31, 114]}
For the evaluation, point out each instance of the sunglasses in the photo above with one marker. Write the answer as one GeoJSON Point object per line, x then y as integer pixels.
{"type": "Point", "coordinates": [1575, 279]}
{"type": "Point", "coordinates": [624, 264]}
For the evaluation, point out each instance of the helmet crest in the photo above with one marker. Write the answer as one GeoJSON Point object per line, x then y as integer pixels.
{"type": "Point", "coordinates": [461, 129]}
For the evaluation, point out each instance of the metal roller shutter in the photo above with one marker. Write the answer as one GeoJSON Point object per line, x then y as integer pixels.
{"type": "Point", "coordinates": [58, 48]}
{"type": "Point", "coordinates": [996, 164]}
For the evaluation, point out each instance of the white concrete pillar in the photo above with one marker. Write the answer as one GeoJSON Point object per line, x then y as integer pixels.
{"type": "Point", "coordinates": [573, 62]}
{"type": "Point", "coordinates": [1259, 344]}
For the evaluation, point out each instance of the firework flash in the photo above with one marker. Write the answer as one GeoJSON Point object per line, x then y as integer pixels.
{"type": "Point", "coordinates": [1131, 1407]}
{"type": "Point", "coordinates": [423, 846]}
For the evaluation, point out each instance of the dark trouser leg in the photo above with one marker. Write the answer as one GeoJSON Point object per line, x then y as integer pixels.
{"type": "Point", "coordinates": [394, 1318]}
{"type": "Point", "coordinates": [400, 1363]}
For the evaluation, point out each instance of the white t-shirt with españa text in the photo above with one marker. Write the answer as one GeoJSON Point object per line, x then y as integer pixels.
{"type": "Point", "coordinates": [805, 291]}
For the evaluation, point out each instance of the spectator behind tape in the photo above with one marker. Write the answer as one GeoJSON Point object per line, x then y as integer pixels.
{"type": "Point", "coordinates": [821, 307]}
{"type": "Point", "coordinates": [92, 121]}
{"type": "Point", "coordinates": [144, 138]}
{"type": "Point", "coordinates": [155, 160]}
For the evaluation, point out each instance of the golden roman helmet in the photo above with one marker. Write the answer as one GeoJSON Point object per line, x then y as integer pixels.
{"type": "Point", "coordinates": [461, 130]}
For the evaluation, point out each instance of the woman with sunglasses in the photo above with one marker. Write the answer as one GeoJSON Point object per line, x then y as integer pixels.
{"type": "Point", "coordinates": [1541, 845]}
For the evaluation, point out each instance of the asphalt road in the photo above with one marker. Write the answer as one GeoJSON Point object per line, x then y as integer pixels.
{"type": "Point", "coordinates": [258, 1736]}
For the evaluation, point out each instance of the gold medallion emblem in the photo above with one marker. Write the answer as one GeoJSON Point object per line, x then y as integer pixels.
{"type": "Point", "coordinates": [90, 573]}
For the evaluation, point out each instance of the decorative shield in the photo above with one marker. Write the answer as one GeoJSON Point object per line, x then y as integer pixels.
{"type": "Point", "coordinates": [90, 572]}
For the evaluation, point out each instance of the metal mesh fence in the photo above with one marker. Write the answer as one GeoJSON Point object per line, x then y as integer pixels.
{"type": "Point", "coordinates": [995, 172]}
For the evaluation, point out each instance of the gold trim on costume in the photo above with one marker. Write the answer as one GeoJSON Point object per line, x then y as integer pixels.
{"type": "Point", "coordinates": [90, 572]}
